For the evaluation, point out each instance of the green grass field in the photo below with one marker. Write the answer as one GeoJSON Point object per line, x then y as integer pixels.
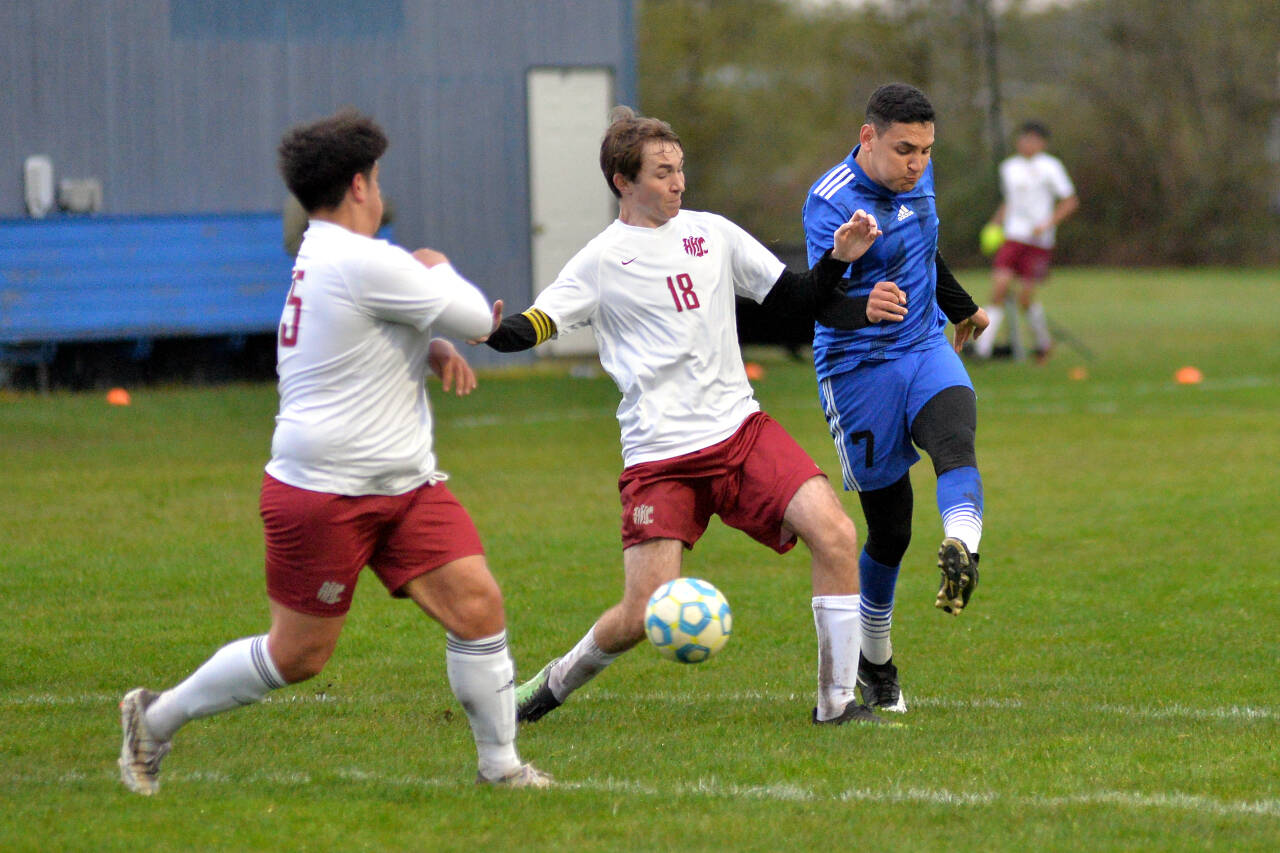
{"type": "Point", "coordinates": [1114, 684]}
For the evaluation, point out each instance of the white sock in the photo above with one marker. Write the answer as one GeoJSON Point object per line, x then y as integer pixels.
{"type": "Point", "coordinates": [1039, 326]}
{"type": "Point", "coordinates": [584, 662]}
{"type": "Point", "coordinates": [984, 345]}
{"type": "Point", "coordinates": [240, 673]}
{"type": "Point", "coordinates": [877, 622]}
{"type": "Point", "coordinates": [963, 522]}
{"type": "Point", "coordinates": [839, 635]}
{"type": "Point", "coordinates": [483, 678]}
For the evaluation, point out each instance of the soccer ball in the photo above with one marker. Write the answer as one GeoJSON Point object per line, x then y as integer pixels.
{"type": "Point", "coordinates": [990, 238]}
{"type": "Point", "coordinates": [688, 620]}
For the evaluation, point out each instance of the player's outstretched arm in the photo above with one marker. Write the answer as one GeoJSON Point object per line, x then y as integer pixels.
{"type": "Point", "coordinates": [824, 282]}
{"type": "Point", "coordinates": [521, 332]}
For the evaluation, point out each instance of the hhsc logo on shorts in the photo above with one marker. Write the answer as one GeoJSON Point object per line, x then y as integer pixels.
{"type": "Point", "coordinates": [642, 514]}
{"type": "Point", "coordinates": [330, 592]}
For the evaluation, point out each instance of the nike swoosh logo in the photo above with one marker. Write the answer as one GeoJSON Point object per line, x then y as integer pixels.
{"type": "Point", "coordinates": [624, 263]}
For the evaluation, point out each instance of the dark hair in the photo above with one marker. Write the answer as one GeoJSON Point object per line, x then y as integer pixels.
{"type": "Point", "coordinates": [319, 159]}
{"type": "Point", "coordinates": [1040, 129]}
{"type": "Point", "coordinates": [622, 150]}
{"type": "Point", "coordinates": [898, 103]}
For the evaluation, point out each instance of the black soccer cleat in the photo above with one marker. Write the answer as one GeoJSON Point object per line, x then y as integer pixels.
{"type": "Point", "coordinates": [534, 699]}
{"type": "Point", "coordinates": [959, 576]}
{"type": "Point", "coordinates": [878, 684]}
{"type": "Point", "coordinates": [852, 713]}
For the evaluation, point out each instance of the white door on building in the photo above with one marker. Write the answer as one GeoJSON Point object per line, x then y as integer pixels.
{"type": "Point", "coordinates": [568, 199]}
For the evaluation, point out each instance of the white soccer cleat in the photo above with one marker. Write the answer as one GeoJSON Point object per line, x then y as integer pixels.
{"type": "Point", "coordinates": [524, 776]}
{"type": "Point", "coordinates": [140, 754]}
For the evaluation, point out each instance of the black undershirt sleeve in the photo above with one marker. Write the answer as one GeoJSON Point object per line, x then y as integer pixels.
{"type": "Point", "coordinates": [805, 292]}
{"type": "Point", "coordinates": [851, 313]}
{"type": "Point", "coordinates": [522, 331]}
{"type": "Point", "coordinates": [953, 299]}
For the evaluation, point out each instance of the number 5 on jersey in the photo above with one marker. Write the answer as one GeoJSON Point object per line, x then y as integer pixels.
{"type": "Point", "coordinates": [681, 288]}
{"type": "Point", "coordinates": [289, 326]}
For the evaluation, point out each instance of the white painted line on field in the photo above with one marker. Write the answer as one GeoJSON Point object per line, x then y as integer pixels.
{"type": "Point", "coordinates": [604, 414]}
{"type": "Point", "coordinates": [714, 788]}
{"type": "Point", "coordinates": [1175, 711]}
{"type": "Point", "coordinates": [1230, 712]}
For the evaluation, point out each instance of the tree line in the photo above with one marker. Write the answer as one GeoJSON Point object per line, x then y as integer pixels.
{"type": "Point", "coordinates": [1167, 115]}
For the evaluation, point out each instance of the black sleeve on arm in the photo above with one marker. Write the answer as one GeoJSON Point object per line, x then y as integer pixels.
{"type": "Point", "coordinates": [805, 292]}
{"type": "Point", "coordinates": [953, 299]}
{"type": "Point", "coordinates": [522, 331]}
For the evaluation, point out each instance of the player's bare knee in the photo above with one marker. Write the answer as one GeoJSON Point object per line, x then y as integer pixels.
{"type": "Point", "coordinates": [834, 539]}
{"type": "Point", "coordinates": [302, 664]}
{"type": "Point", "coordinates": [477, 616]}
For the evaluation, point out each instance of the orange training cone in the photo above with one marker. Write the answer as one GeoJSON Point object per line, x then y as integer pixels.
{"type": "Point", "coordinates": [1188, 376]}
{"type": "Point", "coordinates": [118, 397]}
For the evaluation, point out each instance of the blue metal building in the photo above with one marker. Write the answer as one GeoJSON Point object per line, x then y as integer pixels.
{"type": "Point", "coordinates": [176, 108]}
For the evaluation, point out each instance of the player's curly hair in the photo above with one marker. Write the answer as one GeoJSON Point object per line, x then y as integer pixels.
{"type": "Point", "coordinates": [318, 159]}
{"type": "Point", "coordinates": [898, 103]}
{"type": "Point", "coordinates": [622, 150]}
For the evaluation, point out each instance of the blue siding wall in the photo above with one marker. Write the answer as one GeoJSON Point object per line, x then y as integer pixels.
{"type": "Point", "coordinates": [178, 110]}
{"type": "Point", "coordinates": [113, 277]}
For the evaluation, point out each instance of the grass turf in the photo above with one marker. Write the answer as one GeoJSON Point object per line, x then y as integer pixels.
{"type": "Point", "coordinates": [1113, 685]}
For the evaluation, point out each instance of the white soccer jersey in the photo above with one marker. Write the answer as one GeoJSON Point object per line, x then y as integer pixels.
{"type": "Point", "coordinates": [661, 304]}
{"type": "Point", "coordinates": [1032, 186]}
{"type": "Point", "coordinates": [352, 360]}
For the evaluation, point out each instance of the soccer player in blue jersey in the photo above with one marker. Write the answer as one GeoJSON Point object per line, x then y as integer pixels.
{"type": "Point", "coordinates": [888, 378]}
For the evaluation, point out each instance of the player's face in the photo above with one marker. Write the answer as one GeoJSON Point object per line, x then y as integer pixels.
{"type": "Point", "coordinates": [654, 196]}
{"type": "Point", "coordinates": [896, 158]}
{"type": "Point", "coordinates": [1029, 144]}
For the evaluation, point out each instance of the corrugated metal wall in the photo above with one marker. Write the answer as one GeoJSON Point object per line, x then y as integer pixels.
{"type": "Point", "coordinates": [177, 105]}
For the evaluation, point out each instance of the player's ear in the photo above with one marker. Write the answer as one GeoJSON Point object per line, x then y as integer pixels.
{"type": "Point", "coordinates": [867, 134]}
{"type": "Point", "coordinates": [620, 182]}
{"type": "Point", "coordinates": [358, 187]}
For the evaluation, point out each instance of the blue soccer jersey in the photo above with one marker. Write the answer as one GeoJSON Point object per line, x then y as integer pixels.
{"type": "Point", "coordinates": [904, 254]}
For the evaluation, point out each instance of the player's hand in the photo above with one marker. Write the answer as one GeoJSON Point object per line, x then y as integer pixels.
{"type": "Point", "coordinates": [430, 257]}
{"type": "Point", "coordinates": [497, 321]}
{"type": "Point", "coordinates": [971, 328]}
{"type": "Point", "coordinates": [853, 238]}
{"type": "Point", "coordinates": [886, 302]}
{"type": "Point", "coordinates": [447, 363]}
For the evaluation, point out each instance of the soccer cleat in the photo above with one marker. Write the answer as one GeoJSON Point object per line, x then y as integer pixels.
{"type": "Point", "coordinates": [524, 776]}
{"type": "Point", "coordinates": [959, 576]}
{"type": "Point", "coordinates": [534, 699]}
{"type": "Point", "coordinates": [140, 754]}
{"type": "Point", "coordinates": [852, 713]}
{"type": "Point", "coordinates": [878, 684]}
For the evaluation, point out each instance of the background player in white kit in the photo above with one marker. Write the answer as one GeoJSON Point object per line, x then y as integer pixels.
{"type": "Point", "coordinates": [1038, 196]}
{"type": "Point", "coordinates": [657, 287]}
{"type": "Point", "coordinates": [352, 479]}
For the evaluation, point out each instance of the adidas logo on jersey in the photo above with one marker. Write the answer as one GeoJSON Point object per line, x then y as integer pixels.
{"type": "Point", "coordinates": [904, 212]}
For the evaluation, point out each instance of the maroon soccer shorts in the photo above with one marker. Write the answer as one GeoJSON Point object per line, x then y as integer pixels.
{"type": "Point", "coordinates": [317, 542]}
{"type": "Point", "coordinates": [1029, 262]}
{"type": "Point", "coordinates": [748, 480]}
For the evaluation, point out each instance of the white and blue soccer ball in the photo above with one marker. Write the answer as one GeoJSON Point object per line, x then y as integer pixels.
{"type": "Point", "coordinates": [688, 620]}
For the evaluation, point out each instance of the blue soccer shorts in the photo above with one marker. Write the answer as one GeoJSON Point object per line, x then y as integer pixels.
{"type": "Point", "coordinates": [870, 410]}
